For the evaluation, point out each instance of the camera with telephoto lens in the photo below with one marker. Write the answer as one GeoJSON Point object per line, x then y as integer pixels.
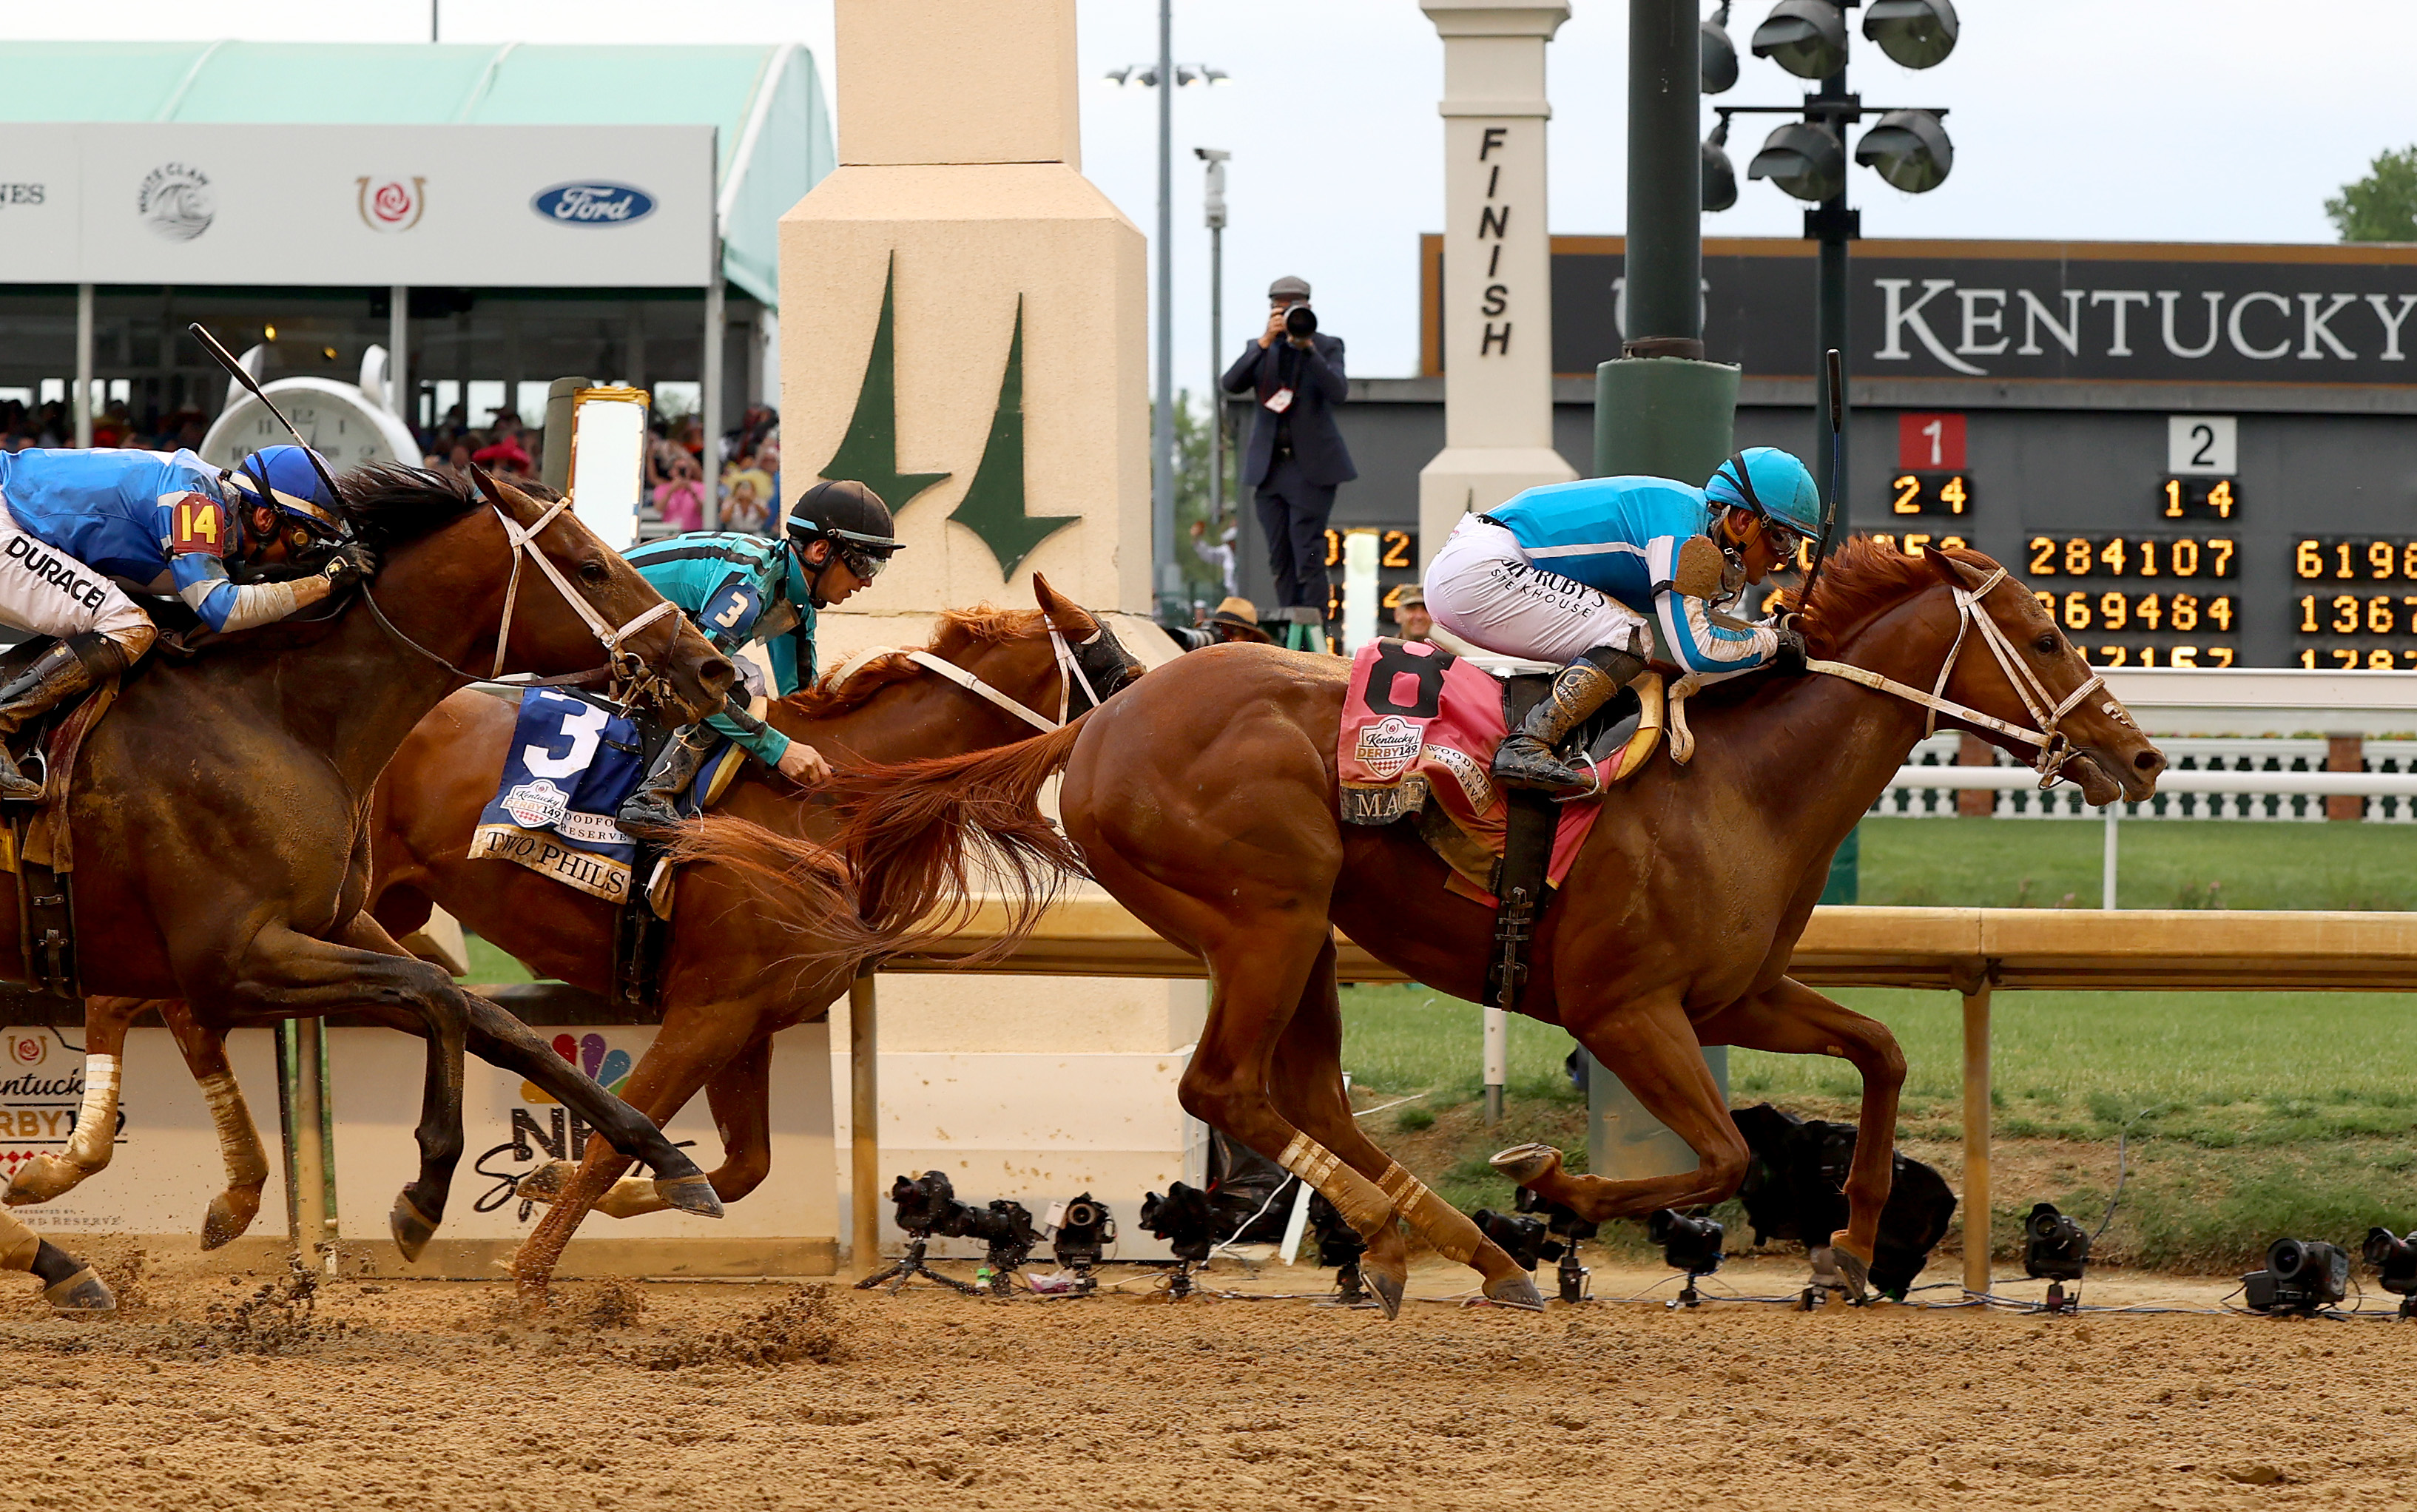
{"type": "Point", "coordinates": [1339, 1249]}
{"type": "Point", "coordinates": [1081, 1231]}
{"type": "Point", "coordinates": [1523, 1236]}
{"type": "Point", "coordinates": [1300, 322]}
{"type": "Point", "coordinates": [2056, 1250]}
{"type": "Point", "coordinates": [2303, 1277]}
{"type": "Point", "coordinates": [2395, 1260]}
{"type": "Point", "coordinates": [927, 1204]}
{"type": "Point", "coordinates": [1183, 1218]}
{"type": "Point", "coordinates": [1688, 1244]}
{"type": "Point", "coordinates": [1564, 1225]}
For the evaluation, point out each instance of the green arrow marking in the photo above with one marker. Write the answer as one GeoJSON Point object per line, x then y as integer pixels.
{"type": "Point", "coordinates": [868, 452]}
{"type": "Point", "coordinates": [993, 507]}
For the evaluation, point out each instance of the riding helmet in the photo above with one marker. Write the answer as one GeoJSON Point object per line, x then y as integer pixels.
{"type": "Point", "coordinates": [1773, 485]}
{"type": "Point", "coordinates": [292, 480]}
{"type": "Point", "coordinates": [851, 517]}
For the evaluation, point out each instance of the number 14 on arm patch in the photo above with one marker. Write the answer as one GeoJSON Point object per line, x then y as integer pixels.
{"type": "Point", "coordinates": [197, 525]}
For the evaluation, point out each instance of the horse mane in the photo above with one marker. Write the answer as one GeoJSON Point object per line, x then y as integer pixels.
{"type": "Point", "coordinates": [960, 629]}
{"type": "Point", "coordinates": [388, 504]}
{"type": "Point", "coordinates": [1862, 578]}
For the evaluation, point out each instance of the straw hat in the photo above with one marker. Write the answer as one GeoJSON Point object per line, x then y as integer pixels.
{"type": "Point", "coordinates": [1239, 614]}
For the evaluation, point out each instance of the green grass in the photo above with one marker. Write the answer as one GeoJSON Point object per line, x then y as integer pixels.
{"type": "Point", "coordinates": [490, 965]}
{"type": "Point", "coordinates": [2015, 863]}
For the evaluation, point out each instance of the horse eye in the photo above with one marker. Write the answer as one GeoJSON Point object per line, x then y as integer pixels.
{"type": "Point", "coordinates": [594, 573]}
{"type": "Point", "coordinates": [2047, 644]}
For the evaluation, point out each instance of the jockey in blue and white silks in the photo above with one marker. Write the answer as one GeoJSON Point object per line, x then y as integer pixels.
{"type": "Point", "coordinates": [1583, 574]}
{"type": "Point", "coordinates": [80, 527]}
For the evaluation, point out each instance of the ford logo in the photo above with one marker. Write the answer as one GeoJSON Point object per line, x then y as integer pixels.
{"type": "Point", "coordinates": [593, 205]}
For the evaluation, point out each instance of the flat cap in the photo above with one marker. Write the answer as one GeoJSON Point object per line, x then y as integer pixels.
{"type": "Point", "coordinates": [1288, 287]}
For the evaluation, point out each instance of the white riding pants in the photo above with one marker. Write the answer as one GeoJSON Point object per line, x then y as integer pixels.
{"type": "Point", "coordinates": [48, 592]}
{"type": "Point", "coordinates": [1482, 588]}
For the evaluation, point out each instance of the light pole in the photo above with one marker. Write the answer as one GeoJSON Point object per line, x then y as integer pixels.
{"type": "Point", "coordinates": [1161, 489]}
{"type": "Point", "coordinates": [1213, 205]}
{"type": "Point", "coordinates": [1807, 157]}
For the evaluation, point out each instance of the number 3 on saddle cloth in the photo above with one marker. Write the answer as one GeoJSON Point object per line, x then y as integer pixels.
{"type": "Point", "coordinates": [1419, 730]}
{"type": "Point", "coordinates": [570, 766]}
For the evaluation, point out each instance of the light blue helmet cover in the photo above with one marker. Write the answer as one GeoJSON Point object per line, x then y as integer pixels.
{"type": "Point", "coordinates": [1777, 485]}
{"type": "Point", "coordinates": [293, 486]}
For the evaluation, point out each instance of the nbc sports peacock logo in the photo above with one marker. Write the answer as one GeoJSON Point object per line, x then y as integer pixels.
{"type": "Point", "coordinates": [593, 204]}
{"type": "Point", "coordinates": [603, 1063]}
{"type": "Point", "coordinates": [176, 201]}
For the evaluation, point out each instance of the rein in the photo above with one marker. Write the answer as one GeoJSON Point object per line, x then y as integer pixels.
{"type": "Point", "coordinates": [2046, 710]}
{"type": "Point", "coordinates": [628, 673]}
{"type": "Point", "coordinates": [1070, 676]}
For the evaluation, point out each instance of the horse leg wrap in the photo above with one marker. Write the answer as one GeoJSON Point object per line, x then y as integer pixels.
{"type": "Point", "coordinates": [1455, 1237]}
{"type": "Point", "coordinates": [19, 1243]}
{"type": "Point", "coordinates": [95, 1127]}
{"type": "Point", "coordinates": [238, 1141]}
{"type": "Point", "coordinates": [1353, 1195]}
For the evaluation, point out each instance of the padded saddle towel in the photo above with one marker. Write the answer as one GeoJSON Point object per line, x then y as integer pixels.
{"type": "Point", "coordinates": [1418, 731]}
{"type": "Point", "coordinates": [571, 765]}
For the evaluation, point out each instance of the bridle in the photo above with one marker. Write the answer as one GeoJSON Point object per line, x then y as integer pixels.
{"type": "Point", "coordinates": [1070, 676]}
{"type": "Point", "coordinates": [2048, 711]}
{"type": "Point", "coordinates": [630, 679]}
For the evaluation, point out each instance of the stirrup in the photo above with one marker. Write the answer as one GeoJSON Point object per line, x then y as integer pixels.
{"type": "Point", "coordinates": [1513, 767]}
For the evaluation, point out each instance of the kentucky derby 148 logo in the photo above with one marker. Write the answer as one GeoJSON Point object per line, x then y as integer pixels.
{"type": "Point", "coordinates": [1388, 747]}
{"type": "Point", "coordinates": [176, 201]}
{"type": "Point", "coordinates": [390, 203]}
{"type": "Point", "coordinates": [593, 205]}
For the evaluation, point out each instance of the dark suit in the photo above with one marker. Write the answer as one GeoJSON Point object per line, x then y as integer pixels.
{"type": "Point", "coordinates": [1296, 458]}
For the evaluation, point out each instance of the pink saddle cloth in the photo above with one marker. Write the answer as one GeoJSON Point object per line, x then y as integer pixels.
{"type": "Point", "coordinates": [1418, 731]}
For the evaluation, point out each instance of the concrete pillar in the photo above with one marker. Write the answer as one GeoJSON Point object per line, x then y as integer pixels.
{"type": "Point", "coordinates": [964, 315]}
{"type": "Point", "coordinates": [1498, 298]}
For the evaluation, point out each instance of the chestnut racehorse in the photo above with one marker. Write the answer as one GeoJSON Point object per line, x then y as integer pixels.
{"type": "Point", "coordinates": [219, 810]}
{"type": "Point", "coordinates": [732, 976]}
{"type": "Point", "coordinates": [1205, 801]}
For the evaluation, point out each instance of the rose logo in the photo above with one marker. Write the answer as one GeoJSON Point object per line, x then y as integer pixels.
{"type": "Point", "coordinates": [28, 1049]}
{"type": "Point", "coordinates": [390, 203]}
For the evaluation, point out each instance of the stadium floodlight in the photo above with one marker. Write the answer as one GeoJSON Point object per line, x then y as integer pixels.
{"type": "Point", "coordinates": [1720, 175]}
{"type": "Point", "coordinates": [1917, 34]}
{"type": "Point", "coordinates": [1718, 55]}
{"type": "Point", "coordinates": [1803, 160]}
{"type": "Point", "coordinates": [1807, 38]}
{"type": "Point", "coordinates": [1909, 149]}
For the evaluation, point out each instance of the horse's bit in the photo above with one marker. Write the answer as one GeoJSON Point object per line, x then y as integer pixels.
{"type": "Point", "coordinates": [2046, 710]}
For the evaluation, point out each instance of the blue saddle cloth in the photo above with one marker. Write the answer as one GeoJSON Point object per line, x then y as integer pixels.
{"type": "Point", "coordinates": [571, 765]}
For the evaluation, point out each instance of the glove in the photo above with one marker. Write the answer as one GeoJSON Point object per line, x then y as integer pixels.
{"type": "Point", "coordinates": [1791, 654]}
{"type": "Point", "coordinates": [352, 563]}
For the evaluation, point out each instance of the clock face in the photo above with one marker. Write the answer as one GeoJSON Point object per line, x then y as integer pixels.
{"type": "Point", "coordinates": [335, 419]}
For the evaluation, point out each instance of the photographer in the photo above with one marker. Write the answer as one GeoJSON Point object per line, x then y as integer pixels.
{"type": "Point", "coordinates": [1296, 457]}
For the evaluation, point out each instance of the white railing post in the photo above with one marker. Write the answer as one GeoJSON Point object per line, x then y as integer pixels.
{"type": "Point", "coordinates": [2106, 867]}
{"type": "Point", "coordinates": [1498, 1061]}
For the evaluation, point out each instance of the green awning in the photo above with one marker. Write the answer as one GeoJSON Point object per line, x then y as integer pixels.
{"type": "Point", "coordinates": [765, 100]}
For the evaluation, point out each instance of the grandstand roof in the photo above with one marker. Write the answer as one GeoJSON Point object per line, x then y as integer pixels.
{"type": "Point", "coordinates": [766, 98]}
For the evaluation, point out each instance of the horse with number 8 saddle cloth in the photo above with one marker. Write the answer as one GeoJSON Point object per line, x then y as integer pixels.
{"type": "Point", "coordinates": [1419, 730]}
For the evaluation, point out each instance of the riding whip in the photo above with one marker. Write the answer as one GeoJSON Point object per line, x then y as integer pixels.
{"type": "Point", "coordinates": [1837, 457]}
{"type": "Point", "coordinates": [236, 368]}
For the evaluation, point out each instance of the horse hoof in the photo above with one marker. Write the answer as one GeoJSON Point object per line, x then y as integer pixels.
{"type": "Point", "coordinates": [1527, 1164]}
{"type": "Point", "coordinates": [1853, 1269]}
{"type": "Point", "coordinates": [546, 1184]}
{"type": "Point", "coordinates": [1388, 1289]}
{"type": "Point", "coordinates": [40, 1179]}
{"type": "Point", "coordinates": [225, 1221]}
{"type": "Point", "coordinates": [1515, 1291]}
{"type": "Point", "coordinates": [412, 1229]}
{"type": "Point", "coordinates": [83, 1292]}
{"type": "Point", "coordinates": [691, 1194]}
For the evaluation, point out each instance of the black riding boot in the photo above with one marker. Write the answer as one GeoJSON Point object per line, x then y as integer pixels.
{"type": "Point", "coordinates": [62, 672]}
{"type": "Point", "coordinates": [655, 807]}
{"type": "Point", "coordinates": [1530, 758]}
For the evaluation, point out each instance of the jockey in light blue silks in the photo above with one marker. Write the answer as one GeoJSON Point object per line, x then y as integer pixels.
{"type": "Point", "coordinates": [1582, 573]}
{"type": "Point", "coordinates": [742, 590]}
{"type": "Point", "coordinates": [78, 524]}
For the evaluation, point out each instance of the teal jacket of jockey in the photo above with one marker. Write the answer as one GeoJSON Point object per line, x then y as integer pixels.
{"type": "Point", "coordinates": [1621, 536]}
{"type": "Point", "coordinates": [740, 588]}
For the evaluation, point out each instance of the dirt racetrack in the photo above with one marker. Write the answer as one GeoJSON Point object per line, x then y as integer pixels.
{"type": "Point", "coordinates": [431, 1396]}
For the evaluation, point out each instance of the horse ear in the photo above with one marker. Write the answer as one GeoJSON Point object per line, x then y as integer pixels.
{"type": "Point", "coordinates": [1063, 612]}
{"type": "Point", "coordinates": [1949, 571]}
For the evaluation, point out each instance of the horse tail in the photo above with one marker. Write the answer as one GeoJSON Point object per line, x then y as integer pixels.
{"type": "Point", "coordinates": [925, 841]}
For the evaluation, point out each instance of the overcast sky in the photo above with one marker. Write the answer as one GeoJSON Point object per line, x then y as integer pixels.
{"type": "Point", "coordinates": [2172, 120]}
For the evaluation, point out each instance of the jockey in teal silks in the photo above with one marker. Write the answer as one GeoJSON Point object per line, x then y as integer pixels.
{"type": "Point", "coordinates": [744, 589]}
{"type": "Point", "coordinates": [1583, 574]}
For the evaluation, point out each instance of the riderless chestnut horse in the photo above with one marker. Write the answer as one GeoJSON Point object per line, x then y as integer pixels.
{"type": "Point", "coordinates": [1205, 799]}
{"type": "Point", "coordinates": [219, 811]}
{"type": "Point", "coordinates": [732, 976]}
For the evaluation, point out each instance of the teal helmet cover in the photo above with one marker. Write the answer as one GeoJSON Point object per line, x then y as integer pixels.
{"type": "Point", "coordinates": [1774, 486]}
